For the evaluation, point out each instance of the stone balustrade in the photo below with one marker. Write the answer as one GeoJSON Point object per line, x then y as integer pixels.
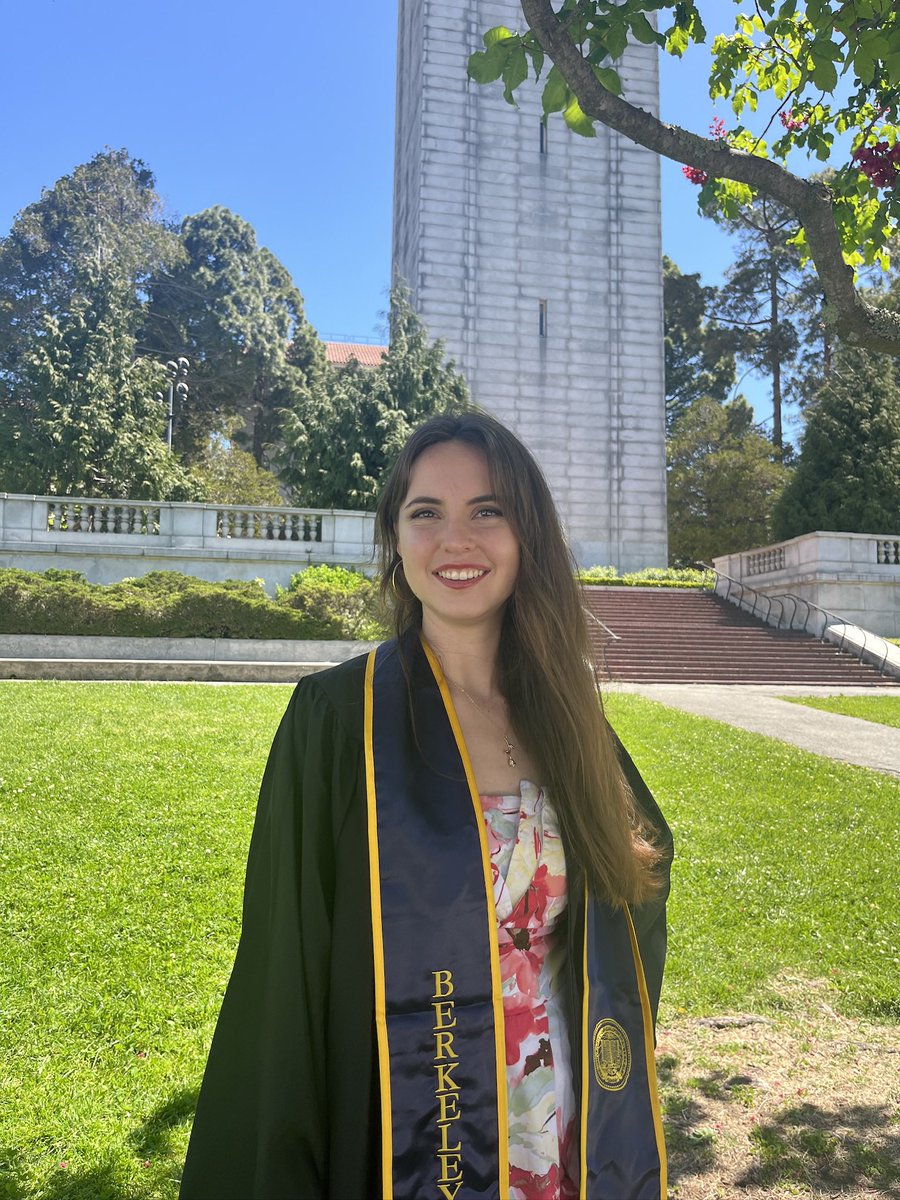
{"type": "Point", "coordinates": [855, 575]}
{"type": "Point", "coordinates": [111, 539]}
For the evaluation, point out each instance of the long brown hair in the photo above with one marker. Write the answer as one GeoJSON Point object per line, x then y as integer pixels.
{"type": "Point", "coordinates": [544, 657]}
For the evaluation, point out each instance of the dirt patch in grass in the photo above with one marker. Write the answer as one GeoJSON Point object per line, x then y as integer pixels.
{"type": "Point", "coordinates": [804, 1103]}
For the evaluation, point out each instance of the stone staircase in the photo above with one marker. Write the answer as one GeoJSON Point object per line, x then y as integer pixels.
{"type": "Point", "coordinates": [685, 636]}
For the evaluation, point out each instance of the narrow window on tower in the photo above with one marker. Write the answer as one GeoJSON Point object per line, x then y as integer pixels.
{"type": "Point", "coordinates": [542, 318]}
{"type": "Point", "coordinates": [543, 142]}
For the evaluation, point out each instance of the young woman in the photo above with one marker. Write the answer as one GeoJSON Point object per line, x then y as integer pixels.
{"type": "Point", "coordinates": [454, 928]}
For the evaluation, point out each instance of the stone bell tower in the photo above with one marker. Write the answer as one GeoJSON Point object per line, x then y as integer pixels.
{"type": "Point", "coordinates": [536, 255]}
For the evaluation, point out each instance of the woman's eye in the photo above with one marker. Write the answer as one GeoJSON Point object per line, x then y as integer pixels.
{"type": "Point", "coordinates": [422, 512]}
{"type": "Point", "coordinates": [489, 512]}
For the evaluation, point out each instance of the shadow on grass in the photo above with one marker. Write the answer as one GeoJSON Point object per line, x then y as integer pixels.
{"type": "Point", "coordinates": [833, 1150]}
{"type": "Point", "coordinates": [99, 1183]}
{"type": "Point", "coordinates": [690, 1147]}
{"type": "Point", "coordinates": [151, 1142]}
{"type": "Point", "coordinates": [153, 1138]}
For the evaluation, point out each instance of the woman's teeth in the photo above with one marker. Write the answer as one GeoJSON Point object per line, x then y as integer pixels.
{"type": "Point", "coordinates": [461, 575]}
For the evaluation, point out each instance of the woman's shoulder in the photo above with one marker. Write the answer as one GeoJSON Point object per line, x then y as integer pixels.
{"type": "Point", "coordinates": [341, 689]}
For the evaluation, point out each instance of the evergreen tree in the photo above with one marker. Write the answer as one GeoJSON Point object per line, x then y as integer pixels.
{"type": "Point", "coordinates": [100, 224]}
{"type": "Point", "coordinates": [761, 295]}
{"type": "Point", "coordinates": [85, 418]}
{"type": "Point", "coordinates": [848, 476]}
{"type": "Point", "coordinates": [340, 439]}
{"type": "Point", "coordinates": [722, 482]}
{"type": "Point", "coordinates": [700, 353]}
{"type": "Point", "coordinates": [232, 309]}
{"type": "Point", "coordinates": [79, 411]}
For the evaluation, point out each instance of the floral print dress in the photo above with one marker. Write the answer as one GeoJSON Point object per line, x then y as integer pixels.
{"type": "Point", "coordinates": [529, 876]}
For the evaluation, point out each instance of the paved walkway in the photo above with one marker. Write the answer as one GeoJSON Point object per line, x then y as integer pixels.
{"type": "Point", "coordinates": [758, 708]}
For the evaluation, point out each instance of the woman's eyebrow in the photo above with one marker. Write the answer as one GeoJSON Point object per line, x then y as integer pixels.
{"type": "Point", "coordinates": [433, 500]}
{"type": "Point", "coordinates": [422, 500]}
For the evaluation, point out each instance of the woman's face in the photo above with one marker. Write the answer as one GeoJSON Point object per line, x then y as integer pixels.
{"type": "Point", "coordinates": [460, 556]}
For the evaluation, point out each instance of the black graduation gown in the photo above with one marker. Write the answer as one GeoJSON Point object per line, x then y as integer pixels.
{"type": "Point", "coordinates": [289, 1107]}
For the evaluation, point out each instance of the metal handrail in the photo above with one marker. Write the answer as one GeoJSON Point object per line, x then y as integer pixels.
{"type": "Point", "coordinates": [746, 588]}
{"type": "Point", "coordinates": [795, 600]}
{"type": "Point", "coordinates": [613, 637]}
{"type": "Point", "coordinates": [843, 621]}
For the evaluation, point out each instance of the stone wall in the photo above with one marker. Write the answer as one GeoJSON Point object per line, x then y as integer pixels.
{"type": "Point", "coordinates": [486, 227]}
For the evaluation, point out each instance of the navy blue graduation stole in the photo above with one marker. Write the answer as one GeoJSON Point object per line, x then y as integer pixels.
{"type": "Point", "coordinates": [438, 998]}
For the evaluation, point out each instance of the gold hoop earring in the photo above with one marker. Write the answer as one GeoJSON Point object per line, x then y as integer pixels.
{"type": "Point", "coordinates": [394, 588]}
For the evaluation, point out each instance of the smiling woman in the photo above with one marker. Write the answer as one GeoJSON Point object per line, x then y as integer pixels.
{"type": "Point", "coordinates": [454, 922]}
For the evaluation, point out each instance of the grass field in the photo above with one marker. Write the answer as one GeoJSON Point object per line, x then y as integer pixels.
{"type": "Point", "coordinates": [125, 812]}
{"type": "Point", "coordinates": [884, 710]}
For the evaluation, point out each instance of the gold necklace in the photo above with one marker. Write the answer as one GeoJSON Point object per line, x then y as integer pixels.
{"type": "Point", "coordinates": [509, 747]}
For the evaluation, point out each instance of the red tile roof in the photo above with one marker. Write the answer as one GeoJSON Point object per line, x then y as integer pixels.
{"type": "Point", "coordinates": [339, 353]}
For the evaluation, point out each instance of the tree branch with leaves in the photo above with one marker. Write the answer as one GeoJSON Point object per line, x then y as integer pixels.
{"type": "Point", "coordinates": [794, 58]}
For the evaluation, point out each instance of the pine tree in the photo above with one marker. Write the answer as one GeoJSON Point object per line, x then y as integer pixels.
{"type": "Point", "coordinates": [341, 437]}
{"type": "Point", "coordinates": [848, 476]}
{"type": "Point", "coordinates": [232, 309]}
{"type": "Point", "coordinates": [79, 411]}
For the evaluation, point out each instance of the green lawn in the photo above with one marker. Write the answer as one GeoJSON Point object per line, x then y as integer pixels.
{"type": "Point", "coordinates": [125, 811]}
{"type": "Point", "coordinates": [885, 710]}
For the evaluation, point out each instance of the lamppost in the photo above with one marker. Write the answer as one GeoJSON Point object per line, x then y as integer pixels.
{"type": "Point", "coordinates": [177, 369]}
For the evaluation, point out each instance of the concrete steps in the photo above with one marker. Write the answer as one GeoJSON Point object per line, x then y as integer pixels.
{"type": "Point", "coordinates": [686, 636]}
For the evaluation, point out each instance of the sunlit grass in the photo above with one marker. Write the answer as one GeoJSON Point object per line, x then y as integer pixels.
{"type": "Point", "coordinates": [884, 710]}
{"type": "Point", "coordinates": [125, 813]}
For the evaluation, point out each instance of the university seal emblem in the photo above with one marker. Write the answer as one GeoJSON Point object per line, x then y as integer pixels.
{"type": "Point", "coordinates": [612, 1055]}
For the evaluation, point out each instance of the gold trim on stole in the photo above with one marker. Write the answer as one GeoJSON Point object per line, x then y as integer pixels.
{"type": "Point", "coordinates": [496, 985]}
{"type": "Point", "coordinates": [585, 1055]}
{"type": "Point", "coordinates": [384, 1062]}
{"type": "Point", "coordinates": [650, 1055]}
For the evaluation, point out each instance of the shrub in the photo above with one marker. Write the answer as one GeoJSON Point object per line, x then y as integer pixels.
{"type": "Point", "coordinates": [334, 598]}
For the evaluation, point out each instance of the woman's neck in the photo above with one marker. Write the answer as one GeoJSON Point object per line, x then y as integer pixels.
{"type": "Point", "coordinates": [468, 657]}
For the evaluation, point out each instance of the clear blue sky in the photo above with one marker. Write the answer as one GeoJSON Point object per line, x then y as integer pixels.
{"type": "Point", "coordinates": [282, 111]}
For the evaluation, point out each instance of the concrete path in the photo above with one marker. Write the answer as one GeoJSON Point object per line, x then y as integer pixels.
{"type": "Point", "coordinates": [759, 709]}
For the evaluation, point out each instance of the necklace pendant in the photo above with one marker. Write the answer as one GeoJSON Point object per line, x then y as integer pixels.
{"type": "Point", "coordinates": [509, 755]}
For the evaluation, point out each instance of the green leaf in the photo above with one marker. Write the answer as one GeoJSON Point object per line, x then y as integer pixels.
{"type": "Point", "coordinates": [609, 79]}
{"type": "Point", "coordinates": [678, 41]}
{"type": "Point", "coordinates": [616, 37]}
{"type": "Point", "coordinates": [642, 29]}
{"type": "Point", "coordinates": [824, 74]}
{"type": "Point", "coordinates": [556, 92]}
{"type": "Point", "coordinates": [537, 58]}
{"type": "Point", "coordinates": [499, 33]}
{"type": "Point", "coordinates": [487, 65]}
{"type": "Point", "coordinates": [514, 73]}
{"type": "Point", "coordinates": [578, 121]}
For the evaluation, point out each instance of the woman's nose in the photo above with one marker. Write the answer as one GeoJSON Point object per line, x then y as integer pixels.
{"type": "Point", "coordinates": [457, 534]}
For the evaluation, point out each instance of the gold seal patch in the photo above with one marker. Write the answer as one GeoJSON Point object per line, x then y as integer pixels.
{"type": "Point", "coordinates": [612, 1055]}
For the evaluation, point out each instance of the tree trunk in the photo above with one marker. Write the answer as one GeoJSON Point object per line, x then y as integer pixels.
{"type": "Point", "coordinates": [775, 352]}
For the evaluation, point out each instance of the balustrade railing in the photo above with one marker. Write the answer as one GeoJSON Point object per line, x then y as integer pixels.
{"type": "Point", "coordinates": [761, 562]}
{"type": "Point", "coordinates": [270, 524]}
{"type": "Point", "coordinates": [81, 516]}
{"type": "Point", "coordinates": [40, 521]}
{"type": "Point", "coordinates": [887, 551]}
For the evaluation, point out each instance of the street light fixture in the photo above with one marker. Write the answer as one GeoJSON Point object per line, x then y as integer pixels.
{"type": "Point", "coordinates": [177, 369]}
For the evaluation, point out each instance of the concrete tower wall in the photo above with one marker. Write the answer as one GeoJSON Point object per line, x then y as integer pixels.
{"type": "Point", "coordinates": [487, 228]}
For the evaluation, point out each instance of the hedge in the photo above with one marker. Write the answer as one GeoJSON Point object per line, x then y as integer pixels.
{"type": "Point", "coordinates": [668, 577]}
{"type": "Point", "coordinates": [321, 603]}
